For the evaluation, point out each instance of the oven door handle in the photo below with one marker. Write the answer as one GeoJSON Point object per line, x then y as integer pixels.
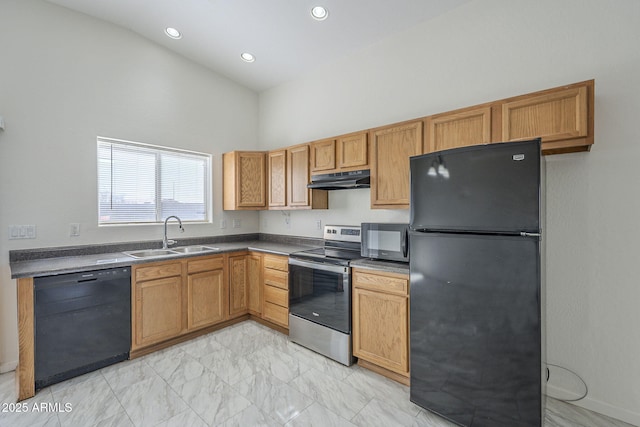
{"type": "Point", "coordinates": [319, 266]}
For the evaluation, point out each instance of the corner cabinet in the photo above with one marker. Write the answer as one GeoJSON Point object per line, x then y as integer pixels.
{"type": "Point", "coordinates": [391, 147]}
{"type": "Point", "coordinates": [381, 322]}
{"type": "Point", "coordinates": [244, 186]}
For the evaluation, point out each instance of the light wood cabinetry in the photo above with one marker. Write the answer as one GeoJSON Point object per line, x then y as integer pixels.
{"type": "Point", "coordinates": [172, 298]}
{"type": "Point", "coordinates": [352, 152]}
{"type": "Point", "coordinates": [342, 154]}
{"type": "Point", "coordinates": [460, 128]}
{"type": "Point", "coordinates": [238, 285]}
{"type": "Point", "coordinates": [277, 179]}
{"type": "Point", "coordinates": [381, 319]}
{"type": "Point", "coordinates": [157, 303]}
{"type": "Point", "coordinates": [206, 292]}
{"type": "Point", "coordinates": [289, 174]}
{"type": "Point", "coordinates": [244, 186]}
{"type": "Point", "coordinates": [254, 264]}
{"type": "Point", "coordinates": [276, 289]}
{"type": "Point", "coordinates": [562, 117]}
{"type": "Point", "coordinates": [323, 156]}
{"type": "Point", "coordinates": [298, 195]}
{"type": "Point", "coordinates": [391, 148]}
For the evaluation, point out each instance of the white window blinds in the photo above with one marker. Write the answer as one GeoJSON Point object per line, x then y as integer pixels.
{"type": "Point", "coordinates": [140, 183]}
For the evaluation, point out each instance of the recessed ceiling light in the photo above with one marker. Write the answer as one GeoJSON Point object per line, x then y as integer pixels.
{"type": "Point", "coordinates": [173, 33]}
{"type": "Point", "coordinates": [319, 13]}
{"type": "Point", "coordinates": [247, 57]}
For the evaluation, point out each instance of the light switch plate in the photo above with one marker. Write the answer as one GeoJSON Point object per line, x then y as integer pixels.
{"type": "Point", "coordinates": [17, 232]}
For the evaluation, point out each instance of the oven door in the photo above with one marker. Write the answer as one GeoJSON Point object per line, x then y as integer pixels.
{"type": "Point", "coordinates": [320, 293]}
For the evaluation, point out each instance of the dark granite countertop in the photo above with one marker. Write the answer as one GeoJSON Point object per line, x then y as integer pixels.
{"type": "Point", "coordinates": [44, 262]}
{"type": "Point", "coordinates": [388, 266]}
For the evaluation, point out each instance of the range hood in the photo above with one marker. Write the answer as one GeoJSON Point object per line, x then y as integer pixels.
{"type": "Point", "coordinates": [341, 180]}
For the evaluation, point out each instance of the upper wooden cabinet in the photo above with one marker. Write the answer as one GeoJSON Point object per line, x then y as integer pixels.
{"type": "Point", "coordinates": [298, 176]}
{"type": "Point", "coordinates": [352, 152]}
{"type": "Point", "coordinates": [244, 186]}
{"type": "Point", "coordinates": [345, 153]}
{"type": "Point", "coordinates": [459, 128]}
{"type": "Point", "coordinates": [277, 179]}
{"type": "Point", "coordinates": [288, 175]}
{"type": "Point", "coordinates": [323, 156]}
{"type": "Point", "coordinates": [391, 148]}
{"type": "Point", "coordinates": [562, 117]}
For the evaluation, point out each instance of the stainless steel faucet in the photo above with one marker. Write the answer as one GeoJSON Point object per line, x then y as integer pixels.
{"type": "Point", "coordinates": [166, 242]}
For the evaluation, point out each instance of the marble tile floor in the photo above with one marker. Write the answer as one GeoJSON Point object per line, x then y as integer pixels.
{"type": "Point", "coordinates": [244, 375]}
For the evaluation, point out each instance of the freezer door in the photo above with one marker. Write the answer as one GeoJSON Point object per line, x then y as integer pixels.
{"type": "Point", "coordinates": [475, 328]}
{"type": "Point", "coordinates": [488, 188]}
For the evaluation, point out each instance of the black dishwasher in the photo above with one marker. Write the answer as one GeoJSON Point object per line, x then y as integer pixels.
{"type": "Point", "coordinates": [82, 323]}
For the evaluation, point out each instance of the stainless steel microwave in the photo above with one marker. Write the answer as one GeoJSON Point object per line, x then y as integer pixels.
{"type": "Point", "coordinates": [386, 241]}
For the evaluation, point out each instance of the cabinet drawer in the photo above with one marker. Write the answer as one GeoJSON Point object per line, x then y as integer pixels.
{"type": "Point", "coordinates": [279, 279]}
{"type": "Point", "coordinates": [276, 314]}
{"type": "Point", "coordinates": [276, 296]}
{"type": "Point", "coordinates": [381, 282]}
{"type": "Point", "coordinates": [276, 262]}
{"type": "Point", "coordinates": [157, 271]}
{"type": "Point", "coordinates": [206, 264]}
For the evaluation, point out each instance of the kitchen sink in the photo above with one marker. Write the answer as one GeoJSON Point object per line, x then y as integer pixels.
{"type": "Point", "coordinates": [194, 248]}
{"type": "Point", "coordinates": [151, 253]}
{"type": "Point", "coordinates": [154, 253]}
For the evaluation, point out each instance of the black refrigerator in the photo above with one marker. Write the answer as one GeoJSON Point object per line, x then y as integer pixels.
{"type": "Point", "coordinates": [477, 295]}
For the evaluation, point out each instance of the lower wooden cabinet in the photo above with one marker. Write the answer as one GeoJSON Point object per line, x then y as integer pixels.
{"type": "Point", "coordinates": [381, 319]}
{"type": "Point", "coordinates": [158, 310]}
{"type": "Point", "coordinates": [173, 298]}
{"type": "Point", "coordinates": [206, 292]}
{"type": "Point", "coordinates": [176, 297]}
{"type": "Point", "coordinates": [275, 306]}
{"type": "Point", "coordinates": [238, 285]}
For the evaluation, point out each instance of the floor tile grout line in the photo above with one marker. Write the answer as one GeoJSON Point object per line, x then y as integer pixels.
{"type": "Point", "coordinates": [117, 398]}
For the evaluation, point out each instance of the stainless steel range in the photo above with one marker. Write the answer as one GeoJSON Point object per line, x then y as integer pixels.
{"type": "Point", "coordinates": [320, 294]}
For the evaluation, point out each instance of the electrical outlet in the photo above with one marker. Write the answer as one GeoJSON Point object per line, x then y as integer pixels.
{"type": "Point", "coordinates": [287, 222]}
{"type": "Point", "coordinates": [318, 224]}
{"type": "Point", "coordinates": [223, 223]}
{"type": "Point", "coordinates": [22, 232]}
{"type": "Point", "coordinates": [74, 229]}
{"type": "Point", "coordinates": [237, 223]}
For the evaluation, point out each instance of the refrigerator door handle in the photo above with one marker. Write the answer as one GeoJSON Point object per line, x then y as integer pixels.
{"type": "Point", "coordinates": [405, 243]}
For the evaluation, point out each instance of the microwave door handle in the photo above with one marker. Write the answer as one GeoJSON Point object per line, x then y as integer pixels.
{"type": "Point", "coordinates": [405, 246]}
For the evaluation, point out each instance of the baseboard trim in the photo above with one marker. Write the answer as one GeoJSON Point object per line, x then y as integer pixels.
{"type": "Point", "coordinates": [600, 407]}
{"type": "Point", "coordinates": [8, 366]}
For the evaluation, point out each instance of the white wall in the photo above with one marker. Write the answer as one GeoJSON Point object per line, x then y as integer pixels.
{"type": "Point", "coordinates": [492, 49]}
{"type": "Point", "coordinates": [66, 78]}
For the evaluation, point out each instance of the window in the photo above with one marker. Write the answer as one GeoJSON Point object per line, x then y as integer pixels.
{"type": "Point", "coordinates": [141, 183]}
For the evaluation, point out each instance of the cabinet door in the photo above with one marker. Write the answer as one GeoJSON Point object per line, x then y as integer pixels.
{"type": "Point", "coordinates": [458, 129]}
{"type": "Point", "coordinates": [205, 299]}
{"type": "Point", "coordinates": [380, 329]}
{"type": "Point", "coordinates": [255, 283]}
{"type": "Point", "coordinates": [158, 310]}
{"type": "Point", "coordinates": [391, 148]}
{"type": "Point", "coordinates": [353, 151]}
{"type": "Point", "coordinates": [238, 285]}
{"type": "Point", "coordinates": [277, 179]}
{"type": "Point", "coordinates": [562, 117]}
{"type": "Point", "coordinates": [244, 185]}
{"type": "Point", "coordinates": [298, 176]}
{"type": "Point", "coordinates": [323, 156]}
